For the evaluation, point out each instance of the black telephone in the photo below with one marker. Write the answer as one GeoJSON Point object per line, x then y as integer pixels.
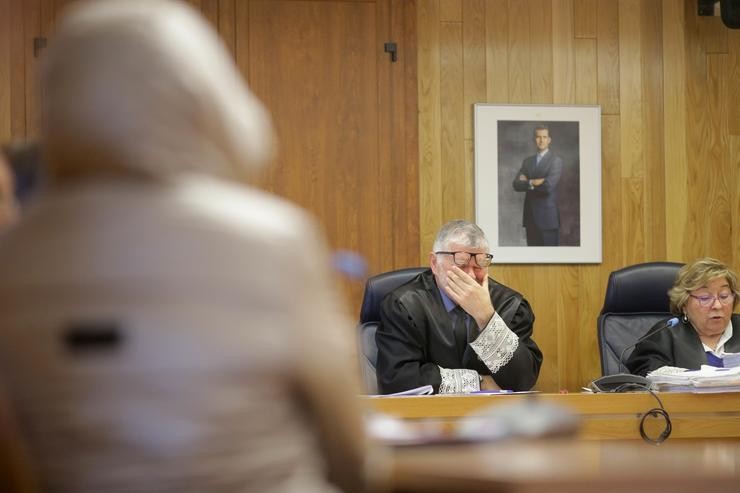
{"type": "Point", "coordinates": [621, 382]}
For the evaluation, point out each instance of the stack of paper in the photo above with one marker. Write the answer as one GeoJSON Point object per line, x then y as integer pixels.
{"type": "Point", "coordinates": [706, 379]}
{"type": "Point", "coordinates": [731, 360]}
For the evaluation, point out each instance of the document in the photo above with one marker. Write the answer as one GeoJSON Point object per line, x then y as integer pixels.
{"type": "Point", "coordinates": [705, 380]}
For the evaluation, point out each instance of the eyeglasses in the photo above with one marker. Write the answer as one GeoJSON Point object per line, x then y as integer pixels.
{"type": "Point", "coordinates": [707, 301]}
{"type": "Point", "coordinates": [463, 258]}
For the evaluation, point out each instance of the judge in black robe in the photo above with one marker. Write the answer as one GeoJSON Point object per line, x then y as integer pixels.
{"type": "Point", "coordinates": [677, 346]}
{"type": "Point", "coordinates": [417, 343]}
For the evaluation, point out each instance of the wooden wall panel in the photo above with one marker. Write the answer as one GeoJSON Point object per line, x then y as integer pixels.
{"type": "Point", "coordinates": [17, 71]}
{"type": "Point", "coordinates": [474, 60]}
{"type": "Point", "coordinates": [675, 119]}
{"type": "Point", "coordinates": [665, 81]}
{"type": "Point", "coordinates": [653, 166]}
{"type": "Point", "coordinates": [453, 123]}
{"type": "Point", "coordinates": [584, 23]}
{"type": "Point", "coordinates": [563, 53]}
{"type": "Point", "coordinates": [520, 67]}
{"type": "Point", "coordinates": [497, 51]}
{"type": "Point", "coordinates": [5, 71]}
{"type": "Point", "coordinates": [430, 126]}
{"type": "Point", "coordinates": [608, 56]}
{"type": "Point", "coordinates": [586, 71]}
{"type": "Point", "coordinates": [541, 52]}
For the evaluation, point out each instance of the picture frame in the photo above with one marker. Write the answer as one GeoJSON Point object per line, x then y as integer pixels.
{"type": "Point", "coordinates": [546, 209]}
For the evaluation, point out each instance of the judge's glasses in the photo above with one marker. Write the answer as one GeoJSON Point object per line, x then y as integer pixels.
{"type": "Point", "coordinates": [463, 258]}
{"type": "Point", "coordinates": [707, 301]}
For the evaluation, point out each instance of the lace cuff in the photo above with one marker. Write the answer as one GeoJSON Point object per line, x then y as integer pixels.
{"type": "Point", "coordinates": [496, 344]}
{"type": "Point", "coordinates": [458, 380]}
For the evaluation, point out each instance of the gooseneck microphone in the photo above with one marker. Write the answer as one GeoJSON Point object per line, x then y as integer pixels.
{"type": "Point", "coordinates": [671, 322]}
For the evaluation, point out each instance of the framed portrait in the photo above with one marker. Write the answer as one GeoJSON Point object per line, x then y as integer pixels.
{"type": "Point", "coordinates": [538, 182]}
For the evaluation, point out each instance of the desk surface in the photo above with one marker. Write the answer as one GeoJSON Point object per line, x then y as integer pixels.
{"type": "Point", "coordinates": [568, 466]}
{"type": "Point", "coordinates": [604, 416]}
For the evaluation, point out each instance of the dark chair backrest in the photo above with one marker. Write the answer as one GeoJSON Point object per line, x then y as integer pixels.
{"type": "Point", "coordinates": [376, 288]}
{"type": "Point", "coordinates": [636, 299]}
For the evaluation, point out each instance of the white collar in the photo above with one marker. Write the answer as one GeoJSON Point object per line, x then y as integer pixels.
{"type": "Point", "coordinates": [726, 336]}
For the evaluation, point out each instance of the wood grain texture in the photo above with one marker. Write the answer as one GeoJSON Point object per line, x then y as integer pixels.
{"type": "Point", "coordinates": [405, 142]}
{"type": "Point", "coordinates": [630, 88]}
{"type": "Point", "coordinates": [653, 166]}
{"type": "Point", "coordinates": [608, 56]}
{"type": "Point", "coordinates": [697, 143]}
{"type": "Point", "coordinates": [450, 10]}
{"type": "Point", "coordinates": [520, 67]}
{"type": "Point", "coordinates": [430, 159]}
{"type": "Point", "coordinates": [32, 29]}
{"type": "Point", "coordinates": [733, 81]}
{"type": "Point", "coordinates": [5, 77]}
{"type": "Point", "coordinates": [497, 51]}
{"type": "Point", "coordinates": [734, 145]}
{"type": "Point", "coordinates": [563, 53]}
{"type": "Point", "coordinates": [584, 23]}
{"type": "Point", "coordinates": [227, 23]}
{"type": "Point", "coordinates": [604, 416]}
{"type": "Point", "coordinates": [452, 115]}
{"type": "Point", "coordinates": [541, 51]}
{"type": "Point", "coordinates": [18, 83]}
{"type": "Point", "coordinates": [474, 60]}
{"type": "Point", "coordinates": [712, 33]}
{"type": "Point", "coordinates": [586, 71]}
{"type": "Point", "coordinates": [675, 119]}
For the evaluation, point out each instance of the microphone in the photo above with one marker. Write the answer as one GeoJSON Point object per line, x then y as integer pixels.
{"type": "Point", "coordinates": [621, 382]}
{"type": "Point", "coordinates": [671, 322]}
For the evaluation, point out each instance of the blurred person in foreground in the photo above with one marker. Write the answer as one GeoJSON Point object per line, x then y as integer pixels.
{"type": "Point", "coordinates": [453, 327]}
{"type": "Point", "coordinates": [704, 296]}
{"type": "Point", "coordinates": [151, 335]}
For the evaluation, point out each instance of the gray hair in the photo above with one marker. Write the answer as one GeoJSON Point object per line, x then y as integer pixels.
{"type": "Point", "coordinates": [697, 274]}
{"type": "Point", "coordinates": [147, 87]}
{"type": "Point", "coordinates": [462, 232]}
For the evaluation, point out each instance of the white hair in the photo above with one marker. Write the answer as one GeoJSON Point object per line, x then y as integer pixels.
{"type": "Point", "coordinates": [147, 86]}
{"type": "Point", "coordinates": [461, 232]}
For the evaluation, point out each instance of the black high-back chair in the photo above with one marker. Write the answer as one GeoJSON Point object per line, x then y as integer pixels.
{"type": "Point", "coordinates": [636, 299]}
{"type": "Point", "coordinates": [376, 288]}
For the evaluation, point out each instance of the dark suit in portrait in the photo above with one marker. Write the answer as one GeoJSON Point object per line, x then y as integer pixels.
{"type": "Point", "coordinates": [539, 181]}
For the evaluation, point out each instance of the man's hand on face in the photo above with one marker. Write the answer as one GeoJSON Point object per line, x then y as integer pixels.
{"type": "Point", "coordinates": [471, 296]}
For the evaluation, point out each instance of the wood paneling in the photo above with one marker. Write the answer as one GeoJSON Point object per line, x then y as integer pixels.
{"type": "Point", "coordinates": [666, 81]}
{"type": "Point", "coordinates": [5, 77]}
{"type": "Point", "coordinates": [339, 108]}
{"type": "Point", "coordinates": [497, 51]}
{"type": "Point", "coordinates": [430, 127]}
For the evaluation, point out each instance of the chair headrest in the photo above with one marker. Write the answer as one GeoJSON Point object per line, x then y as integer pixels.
{"type": "Point", "coordinates": [640, 288]}
{"type": "Point", "coordinates": [378, 286]}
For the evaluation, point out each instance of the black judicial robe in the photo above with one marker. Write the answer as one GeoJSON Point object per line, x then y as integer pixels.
{"type": "Point", "coordinates": [415, 338]}
{"type": "Point", "coordinates": [676, 346]}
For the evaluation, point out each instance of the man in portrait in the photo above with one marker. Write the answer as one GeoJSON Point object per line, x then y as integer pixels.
{"type": "Point", "coordinates": [538, 178]}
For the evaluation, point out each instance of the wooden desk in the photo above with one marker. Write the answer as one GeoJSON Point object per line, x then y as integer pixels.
{"type": "Point", "coordinates": [568, 467]}
{"type": "Point", "coordinates": [604, 416]}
